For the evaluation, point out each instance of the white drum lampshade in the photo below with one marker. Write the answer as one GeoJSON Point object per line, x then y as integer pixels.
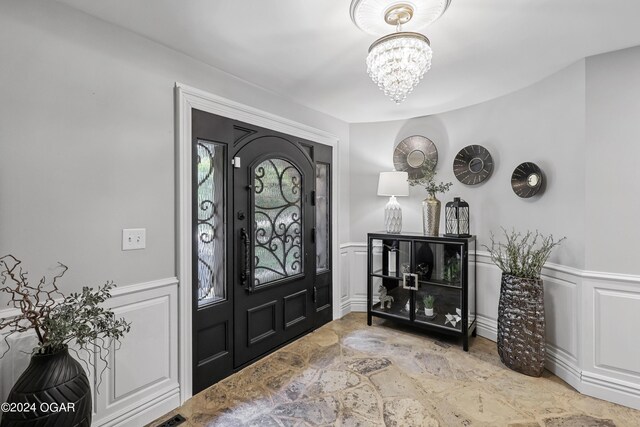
{"type": "Point", "coordinates": [393, 184]}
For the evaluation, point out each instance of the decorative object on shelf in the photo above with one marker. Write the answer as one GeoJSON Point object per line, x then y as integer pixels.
{"type": "Point", "coordinates": [411, 154]}
{"type": "Point", "coordinates": [451, 271]}
{"type": "Point", "coordinates": [428, 301]}
{"type": "Point", "coordinates": [384, 298]}
{"type": "Point", "coordinates": [456, 216]}
{"type": "Point", "coordinates": [407, 306]}
{"type": "Point", "coordinates": [527, 180]}
{"type": "Point", "coordinates": [424, 269]}
{"type": "Point", "coordinates": [78, 322]}
{"type": "Point", "coordinates": [397, 62]}
{"type": "Point", "coordinates": [473, 165]}
{"type": "Point", "coordinates": [393, 184]}
{"type": "Point", "coordinates": [431, 205]}
{"type": "Point", "coordinates": [521, 320]}
{"type": "Point", "coordinates": [410, 281]}
{"type": "Point", "coordinates": [453, 319]}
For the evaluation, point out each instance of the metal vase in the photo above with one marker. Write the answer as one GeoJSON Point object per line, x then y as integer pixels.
{"type": "Point", "coordinates": [431, 215]}
{"type": "Point", "coordinates": [521, 325]}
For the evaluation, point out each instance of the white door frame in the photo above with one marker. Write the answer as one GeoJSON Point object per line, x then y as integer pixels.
{"type": "Point", "coordinates": [187, 98]}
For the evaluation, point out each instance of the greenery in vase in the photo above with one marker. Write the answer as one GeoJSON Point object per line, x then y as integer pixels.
{"type": "Point", "coordinates": [77, 321]}
{"type": "Point", "coordinates": [523, 255]}
{"type": "Point", "coordinates": [428, 180]}
{"type": "Point", "coordinates": [428, 301]}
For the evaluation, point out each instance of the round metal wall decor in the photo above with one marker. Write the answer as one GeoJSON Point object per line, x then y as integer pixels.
{"type": "Point", "coordinates": [473, 164]}
{"type": "Point", "coordinates": [526, 180]}
{"type": "Point", "coordinates": [411, 154]}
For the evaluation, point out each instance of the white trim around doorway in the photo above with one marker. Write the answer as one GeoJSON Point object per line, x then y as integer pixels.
{"type": "Point", "coordinates": [188, 98]}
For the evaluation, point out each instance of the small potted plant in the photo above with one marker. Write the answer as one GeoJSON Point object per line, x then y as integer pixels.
{"type": "Point", "coordinates": [55, 385]}
{"type": "Point", "coordinates": [521, 321]}
{"type": "Point", "coordinates": [428, 301]}
{"type": "Point", "coordinates": [431, 206]}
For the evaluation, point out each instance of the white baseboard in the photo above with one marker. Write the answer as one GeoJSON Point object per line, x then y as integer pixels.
{"type": "Point", "coordinates": [353, 305]}
{"type": "Point", "coordinates": [486, 327]}
{"type": "Point", "coordinates": [611, 389]}
{"type": "Point", "coordinates": [359, 304]}
{"type": "Point", "coordinates": [564, 366]}
{"type": "Point", "coordinates": [146, 412]}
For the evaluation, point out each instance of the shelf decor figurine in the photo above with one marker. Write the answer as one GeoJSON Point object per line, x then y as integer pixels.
{"type": "Point", "coordinates": [431, 205]}
{"type": "Point", "coordinates": [393, 184]}
{"type": "Point", "coordinates": [456, 215]}
{"type": "Point", "coordinates": [521, 320]}
{"type": "Point", "coordinates": [428, 301]}
{"type": "Point", "coordinates": [384, 298]}
{"type": "Point", "coordinates": [453, 318]}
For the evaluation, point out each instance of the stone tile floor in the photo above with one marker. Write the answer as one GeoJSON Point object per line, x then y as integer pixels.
{"type": "Point", "coordinates": [349, 374]}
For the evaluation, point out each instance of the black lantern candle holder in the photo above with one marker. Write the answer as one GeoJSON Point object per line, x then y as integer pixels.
{"type": "Point", "coordinates": [457, 218]}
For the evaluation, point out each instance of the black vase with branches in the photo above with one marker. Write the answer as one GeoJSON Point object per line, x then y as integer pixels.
{"type": "Point", "coordinates": [55, 389]}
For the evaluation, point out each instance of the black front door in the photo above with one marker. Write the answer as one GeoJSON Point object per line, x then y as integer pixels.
{"type": "Point", "coordinates": [274, 225]}
{"type": "Point", "coordinates": [261, 253]}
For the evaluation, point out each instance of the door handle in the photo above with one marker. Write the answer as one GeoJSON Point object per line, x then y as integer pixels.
{"type": "Point", "coordinates": [246, 270]}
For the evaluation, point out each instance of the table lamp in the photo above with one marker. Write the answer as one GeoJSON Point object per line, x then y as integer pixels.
{"type": "Point", "coordinates": [393, 184]}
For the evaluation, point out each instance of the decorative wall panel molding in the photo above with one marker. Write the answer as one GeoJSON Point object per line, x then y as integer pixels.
{"type": "Point", "coordinates": [142, 382]}
{"type": "Point", "coordinates": [587, 315]}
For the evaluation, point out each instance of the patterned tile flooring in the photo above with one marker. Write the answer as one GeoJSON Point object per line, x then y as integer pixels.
{"type": "Point", "coordinates": [349, 374]}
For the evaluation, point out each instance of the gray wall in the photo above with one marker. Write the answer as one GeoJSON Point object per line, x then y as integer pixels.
{"type": "Point", "coordinates": [543, 123]}
{"type": "Point", "coordinates": [87, 142]}
{"type": "Point", "coordinates": [613, 151]}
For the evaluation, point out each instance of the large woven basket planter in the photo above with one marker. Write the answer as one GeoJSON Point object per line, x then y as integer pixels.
{"type": "Point", "coordinates": [521, 325]}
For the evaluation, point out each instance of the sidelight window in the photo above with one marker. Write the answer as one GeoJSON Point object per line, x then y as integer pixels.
{"type": "Point", "coordinates": [210, 230]}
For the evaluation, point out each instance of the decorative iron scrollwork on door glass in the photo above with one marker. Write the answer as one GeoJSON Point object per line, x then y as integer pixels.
{"type": "Point", "coordinates": [277, 221]}
{"type": "Point", "coordinates": [322, 217]}
{"type": "Point", "coordinates": [210, 231]}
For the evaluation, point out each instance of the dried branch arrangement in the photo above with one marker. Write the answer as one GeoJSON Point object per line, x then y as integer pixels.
{"type": "Point", "coordinates": [76, 321]}
{"type": "Point", "coordinates": [522, 255]}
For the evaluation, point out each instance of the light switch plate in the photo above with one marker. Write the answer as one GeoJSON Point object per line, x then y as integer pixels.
{"type": "Point", "coordinates": [134, 238]}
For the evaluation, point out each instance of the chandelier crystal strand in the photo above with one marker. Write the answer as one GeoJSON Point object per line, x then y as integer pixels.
{"type": "Point", "coordinates": [397, 63]}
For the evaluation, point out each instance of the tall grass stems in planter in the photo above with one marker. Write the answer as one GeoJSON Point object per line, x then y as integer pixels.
{"type": "Point", "coordinates": [521, 319]}
{"type": "Point", "coordinates": [55, 387]}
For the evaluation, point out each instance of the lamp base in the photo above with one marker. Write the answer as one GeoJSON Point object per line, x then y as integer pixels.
{"type": "Point", "coordinates": [393, 216]}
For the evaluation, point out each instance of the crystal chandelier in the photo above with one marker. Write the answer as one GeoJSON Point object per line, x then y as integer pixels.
{"type": "Point", "coordinates": [398, 61]}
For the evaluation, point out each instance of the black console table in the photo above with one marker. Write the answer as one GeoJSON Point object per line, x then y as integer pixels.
{"type": "Point", "coordinates": [410, 273]}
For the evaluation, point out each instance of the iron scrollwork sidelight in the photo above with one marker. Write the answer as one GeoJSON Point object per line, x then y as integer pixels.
{"type": "Point", "coordinates": [210, 238]}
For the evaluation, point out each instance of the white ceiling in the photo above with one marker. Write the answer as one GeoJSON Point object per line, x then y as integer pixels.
{"type": "Point", "coordinates": [311, 52]}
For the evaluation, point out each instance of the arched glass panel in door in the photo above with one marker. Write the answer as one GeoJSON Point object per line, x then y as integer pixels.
{"type": "Point", "coordinates": [278, 222]}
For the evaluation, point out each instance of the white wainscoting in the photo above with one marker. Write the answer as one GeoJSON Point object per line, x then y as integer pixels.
{"type": "Point", "coordinates": [590, 316]}
{"type": "Point", "coordinates": [142, 381]}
